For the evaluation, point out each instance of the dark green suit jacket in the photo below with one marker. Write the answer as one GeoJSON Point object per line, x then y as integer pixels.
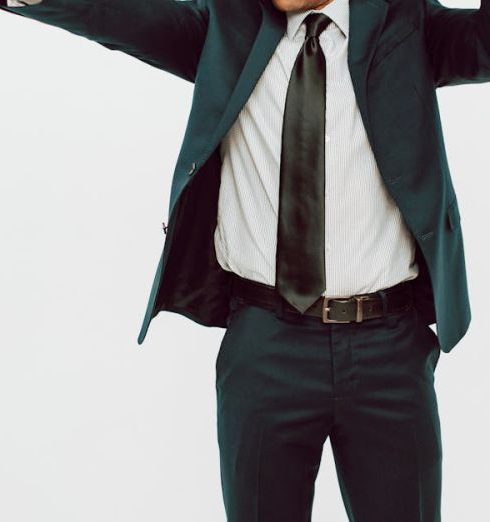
{"type": "Point", "coordinates": [400, 51]}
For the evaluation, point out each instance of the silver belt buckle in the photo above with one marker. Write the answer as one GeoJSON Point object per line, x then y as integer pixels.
{"type": "Point", "coordinates": [326, 308]}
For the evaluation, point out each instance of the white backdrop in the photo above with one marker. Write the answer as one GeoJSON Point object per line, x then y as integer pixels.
{"type": "Point", "coordinates": [94, 427]}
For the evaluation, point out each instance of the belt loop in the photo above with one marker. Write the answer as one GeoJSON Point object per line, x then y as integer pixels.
{"type": "Point", "coordinates": [279, 307]}
{"type": "Point", "coordinates": [232, 307]}
{"type": "Point", "coordinates": [384, 301]}
{"type": "Point", "coordinates": [231, 285]}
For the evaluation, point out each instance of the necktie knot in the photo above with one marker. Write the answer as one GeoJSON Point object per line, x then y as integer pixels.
{"type": "Point", "coordinates": [316, 23]}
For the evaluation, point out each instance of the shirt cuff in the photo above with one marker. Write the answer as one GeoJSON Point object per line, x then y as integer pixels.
{"type": "Point", "coordinates": [22, 3]}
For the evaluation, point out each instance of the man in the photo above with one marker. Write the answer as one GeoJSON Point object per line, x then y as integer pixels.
{"type": "Point", "coordinates": [312, 214]}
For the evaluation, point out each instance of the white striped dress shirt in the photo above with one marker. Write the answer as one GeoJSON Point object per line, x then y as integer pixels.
{"type": "Point", "coordinates": [368, 246]}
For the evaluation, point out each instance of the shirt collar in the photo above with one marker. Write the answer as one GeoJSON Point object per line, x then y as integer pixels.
{"type": "Point", "coordinates": [337, 10]}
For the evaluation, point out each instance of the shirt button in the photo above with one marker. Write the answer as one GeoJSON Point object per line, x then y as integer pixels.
{"type": "Point", "coordinates": [192, 169]}
{"type": "Point", "coordinates": [327, 138]}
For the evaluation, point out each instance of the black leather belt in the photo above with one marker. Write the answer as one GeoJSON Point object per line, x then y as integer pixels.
{"type": "Point", "coordinates": [356, 308]}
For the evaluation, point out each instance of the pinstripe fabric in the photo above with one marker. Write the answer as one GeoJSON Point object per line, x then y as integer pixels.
{"type": "Point", "coordinates": [367, 244]}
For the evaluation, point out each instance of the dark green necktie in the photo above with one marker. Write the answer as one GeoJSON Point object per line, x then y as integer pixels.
{"type": "Point", "coordinates": [300, 256]}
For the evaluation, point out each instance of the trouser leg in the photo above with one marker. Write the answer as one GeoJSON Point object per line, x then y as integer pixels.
{"type": "Point", "coordinates": [386, 439]}
{"type": "Point", "coordinates": [272, 417]}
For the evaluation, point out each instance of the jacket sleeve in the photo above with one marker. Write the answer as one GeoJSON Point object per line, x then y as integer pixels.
{"type": "Point", "coordinates": [458, 43]}
{"type": "Point", "coordinates": [167, 34]}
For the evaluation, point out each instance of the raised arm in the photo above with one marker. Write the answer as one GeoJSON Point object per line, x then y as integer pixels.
{"type": "Point", "coordinates": [458, 43]}
{"type": "Point", "coordinates": [168, 34]}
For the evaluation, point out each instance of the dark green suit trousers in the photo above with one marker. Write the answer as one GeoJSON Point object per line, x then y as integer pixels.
{"type": "Point", "coordinates": [287, 383]}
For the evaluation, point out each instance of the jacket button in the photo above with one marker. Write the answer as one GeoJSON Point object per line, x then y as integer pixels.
{"type": "Point", "coordinates": [192, 169]}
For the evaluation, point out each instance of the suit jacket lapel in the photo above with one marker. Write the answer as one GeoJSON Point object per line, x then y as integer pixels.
{"type": "Point", "coordinates": [272, 28]}
{"type": "Point", "coordinates": [366, 20]}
